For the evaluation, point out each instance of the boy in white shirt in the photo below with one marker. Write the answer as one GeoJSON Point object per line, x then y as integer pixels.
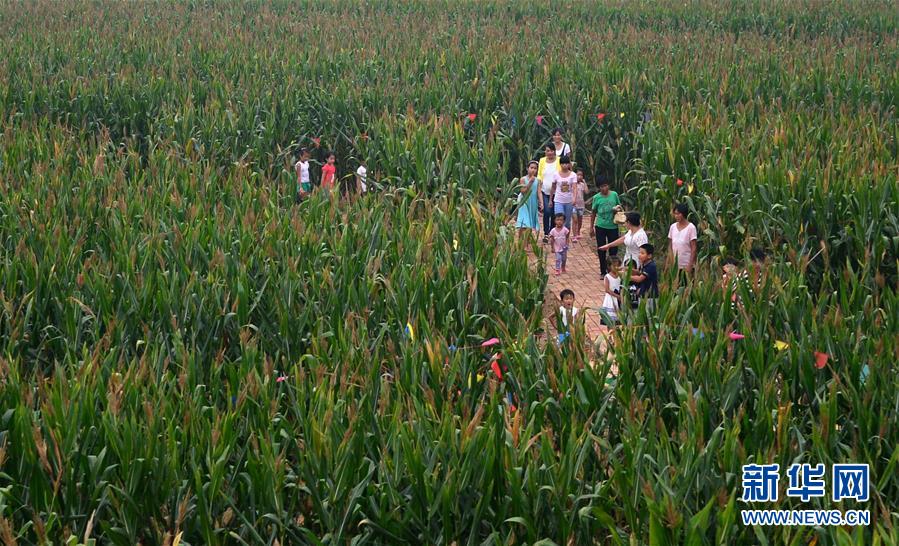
{"type": "Point", "coordinates": [304, 182]}
{"type": "Point", "coordinates": [361, 175]}
{"type": "Point", "coordinates": [568, 310]}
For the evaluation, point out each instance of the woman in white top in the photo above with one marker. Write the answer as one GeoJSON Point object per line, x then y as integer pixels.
{"type": "Point", "coordinates": [562, 148]}
{"type": "Point", "coordinates": [633, 238]}
{"type": "Point", "coordinates": [682, 235]}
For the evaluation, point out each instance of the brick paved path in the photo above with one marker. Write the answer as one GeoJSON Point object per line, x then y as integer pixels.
{"type": "Point", "coordinates": [582, 276]}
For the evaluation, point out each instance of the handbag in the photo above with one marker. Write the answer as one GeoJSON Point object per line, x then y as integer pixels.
{"type": "Point", "coordinates": [619, 217]}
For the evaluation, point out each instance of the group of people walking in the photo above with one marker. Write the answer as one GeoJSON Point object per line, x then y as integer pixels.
{"type": "Point", "coordinates": [556, 190]}
{"type": "Point", "coordinates": [329, 181]}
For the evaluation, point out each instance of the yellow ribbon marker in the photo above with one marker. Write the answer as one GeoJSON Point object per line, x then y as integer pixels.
{"type": "Point", "coordinates": [455, 244]}
{"type": "Point", "coordinates": [622, 114]}
{"type": "Point", "coordinates": [410, 331]}
{"type": "Point", "coordinates": [690, 188]}
{"type": "Point", "coordinates": [781, 345]}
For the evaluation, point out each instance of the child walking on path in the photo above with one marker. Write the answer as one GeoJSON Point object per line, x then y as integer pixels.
{"type": "Point", "coordinates": [559, 239]}
{"type": "Point", "coordinates": [579, 189]}
{"type": "Point", "coordinates": [612, 300]}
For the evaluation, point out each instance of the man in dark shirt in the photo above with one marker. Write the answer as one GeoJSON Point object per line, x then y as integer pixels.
{"type": "Point", "coordinates": [647, 279]}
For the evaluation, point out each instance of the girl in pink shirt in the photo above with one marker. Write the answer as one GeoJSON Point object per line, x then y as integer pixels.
{"type": "Point", "coordinates": [558, 236]}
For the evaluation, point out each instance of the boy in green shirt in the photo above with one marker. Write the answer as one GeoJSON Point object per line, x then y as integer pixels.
{"type": "Point", "coordinates": [604, 228]}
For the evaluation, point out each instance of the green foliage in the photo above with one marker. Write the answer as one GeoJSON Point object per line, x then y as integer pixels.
{"type": "Point", "coordinates": [188, 357]}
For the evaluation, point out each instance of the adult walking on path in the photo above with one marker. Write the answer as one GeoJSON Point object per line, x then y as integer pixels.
{"type": "Point", "coordinates": [563, 189]}
{"type": "Point", "coordinates": [546, 172]}
{"type": "Point", "coordinates": [527, 202]}
{"type": "Point", "coordinates": [561, 147]}
{"type": "Point", "coordinates": [633, 239]}
{"type": "Point", "coordinates": [605, 230]}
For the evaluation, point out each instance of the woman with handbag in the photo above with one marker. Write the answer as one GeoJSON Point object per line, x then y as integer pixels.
{"type": "Point", "coordinates": [604, 206]}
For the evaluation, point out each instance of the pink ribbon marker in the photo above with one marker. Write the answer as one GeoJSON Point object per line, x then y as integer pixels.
{"type": "Point", "coordinates": [734, 336]}
{"type": "Point", "coordinates": [490, 342]}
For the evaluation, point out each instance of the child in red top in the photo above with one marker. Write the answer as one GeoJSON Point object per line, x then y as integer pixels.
{"type": "Point", "coordinates": [329, 171]}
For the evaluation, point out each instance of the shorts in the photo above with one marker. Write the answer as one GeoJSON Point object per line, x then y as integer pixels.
{"type": "Point", "coordinates": [579, 211]}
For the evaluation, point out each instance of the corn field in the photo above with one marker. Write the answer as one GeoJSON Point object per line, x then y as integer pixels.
{"type": "Point", "coordinates": [189, 357]}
